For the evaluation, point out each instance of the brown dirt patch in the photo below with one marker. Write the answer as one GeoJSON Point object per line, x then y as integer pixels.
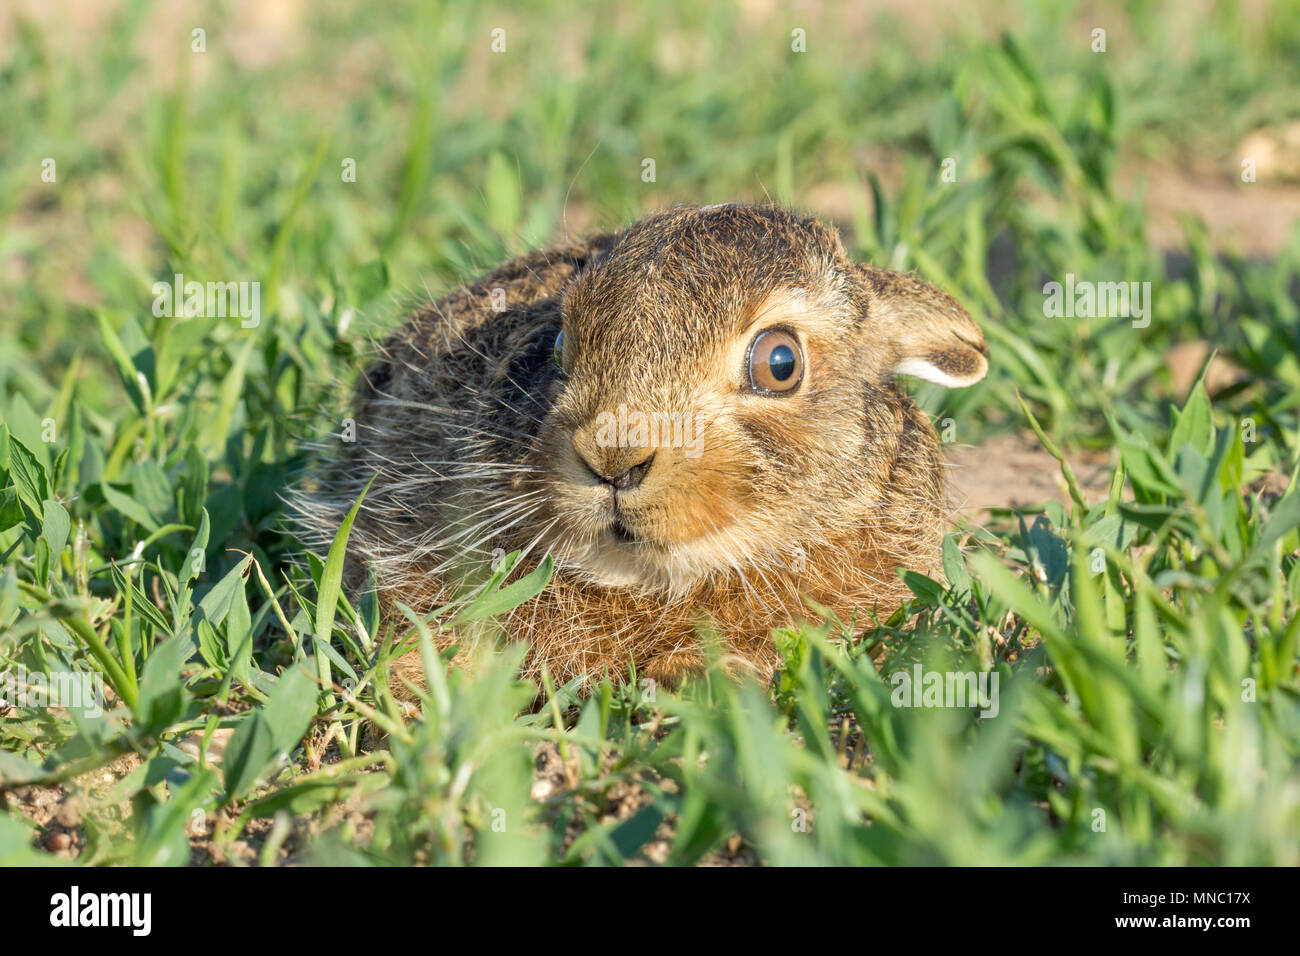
{"type": "Point", "coordinates": [1013, 471]}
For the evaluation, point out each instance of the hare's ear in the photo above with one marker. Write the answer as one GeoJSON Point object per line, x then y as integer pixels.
{"type": "Point", "coordinates": [927, 334]}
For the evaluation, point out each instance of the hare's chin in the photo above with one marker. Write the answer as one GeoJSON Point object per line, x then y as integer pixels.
{"type": "Point", "coordinates": [607, 562]}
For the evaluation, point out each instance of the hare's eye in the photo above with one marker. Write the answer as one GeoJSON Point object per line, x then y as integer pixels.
{"type": "Point", "coordinates": [775, 362]}
{"type": "Point", "coordinates": [557, 351]}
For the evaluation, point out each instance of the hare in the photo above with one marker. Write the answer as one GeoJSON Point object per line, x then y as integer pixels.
{"type": "Point", "coordinates": [696, 417]}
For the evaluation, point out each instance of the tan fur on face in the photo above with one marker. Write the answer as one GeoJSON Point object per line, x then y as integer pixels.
{"type": "Point", "coordinates": [481, 443]}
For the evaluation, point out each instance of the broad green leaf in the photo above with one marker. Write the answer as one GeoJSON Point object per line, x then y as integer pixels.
{"type": "Point", "coordinates": [191, 567]}
{"type": "Point", "coordinates": [27, 427]}
{"type": "Point", "coordinates": [927, 589]}
{"type": "Point", "coordinates": [42, 558]}
{"type": "Point", "coordinates": [291, 707]}
{"type": "Point", "coordinates": [162, 688]}
{"type": "Point", "coordinates": [216, 603]}
{"type": "Point", "coordinates": [269, 732]}
{"type": "Point", "coordinates": [28, 476]}
{"type": "Point", "coordinates": [129, 507]}
{"type": "Point", "coordinates": [55, 527]}
{"type": "Point", "coordinates": [16, 845]}
{"type": "Point", "coordinates": [954, 566]}
{"type": "Point", "coordinates": [11, 509]}
{"type": "Point", "coordinates": [239, 634]}
{"type": "Point", "coordinates": [151, 489]}
{"type": "Point", "coordinates": [247, 754]}
{"type": "Point", "coordinates": [1194, 425]}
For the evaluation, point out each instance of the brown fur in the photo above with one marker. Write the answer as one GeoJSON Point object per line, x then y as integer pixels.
{"type": "Point", "coordinates": [479, 439]}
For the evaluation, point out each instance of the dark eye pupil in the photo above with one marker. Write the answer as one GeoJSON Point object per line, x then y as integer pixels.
{"type": "Point", "coordinates": [781, 362]}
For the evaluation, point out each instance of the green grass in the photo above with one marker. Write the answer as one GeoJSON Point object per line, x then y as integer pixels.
{"type": "Point", "coordinates": [1145, 641]}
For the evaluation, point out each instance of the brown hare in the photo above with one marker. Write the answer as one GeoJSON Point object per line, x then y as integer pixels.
{"type": "Point", "coordinates": [696, 417]}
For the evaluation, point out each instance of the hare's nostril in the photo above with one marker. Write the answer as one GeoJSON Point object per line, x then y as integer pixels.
{"type": "Point", "coordinates": [633, 476]}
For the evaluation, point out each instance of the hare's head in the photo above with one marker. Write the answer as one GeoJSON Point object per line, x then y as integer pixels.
{"type": "Point", "coordinates": [726, 395]}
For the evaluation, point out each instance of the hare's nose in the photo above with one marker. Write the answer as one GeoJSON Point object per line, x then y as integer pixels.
{"type": "Point", "coordinates": [633, 476]}
{"type": "Point", "coordinates": [615, 473]}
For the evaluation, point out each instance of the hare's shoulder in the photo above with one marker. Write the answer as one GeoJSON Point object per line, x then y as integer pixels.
{"type": "Point", "coordinates": [484, 315]}
{"type": "Point", "coordinates": [489, 339]}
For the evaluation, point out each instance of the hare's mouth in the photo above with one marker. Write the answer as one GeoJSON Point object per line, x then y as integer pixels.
{"type": "Point", "coordinates": [620, 524]}
{"type": "Point", "coordinates": [621, 533]}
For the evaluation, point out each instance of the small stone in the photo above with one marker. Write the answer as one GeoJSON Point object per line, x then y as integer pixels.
{"type": "Point", "coordinates": [69, 813]}
{"type": "Point", "coordinates": [657, 852]}
{"type": "Point", "coordinates": [56, 842]}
